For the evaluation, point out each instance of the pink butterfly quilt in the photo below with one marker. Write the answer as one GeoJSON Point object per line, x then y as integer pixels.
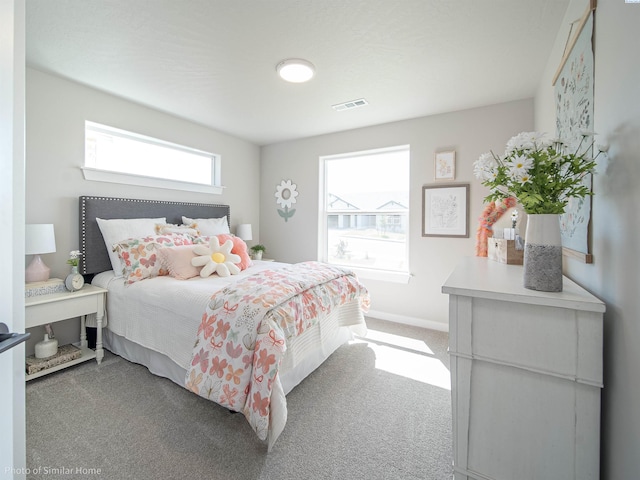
{"type": "Point", "coordinates": [244, 330]}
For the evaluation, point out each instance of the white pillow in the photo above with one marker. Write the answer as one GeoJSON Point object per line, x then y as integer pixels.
{"type": "Point", "coordinates": [119, 229]}
{"type": "Point", "coordinates": [209, 226]}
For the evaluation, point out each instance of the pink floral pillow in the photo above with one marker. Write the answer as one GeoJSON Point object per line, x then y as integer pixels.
{"type": "Point", "coordinates": [140, 257]}
{"type": "Point", "coordinates": [177, 261]}
{"type": "Point", "coordinates": [239, 248]}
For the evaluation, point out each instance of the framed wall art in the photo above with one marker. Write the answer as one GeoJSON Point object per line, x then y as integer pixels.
{"type": "Point", "coordinates": [574, 97]}
{"type": "Point", "coordinates": [445, 165]}
{"type": "Point", "coordinates": [445, 210]}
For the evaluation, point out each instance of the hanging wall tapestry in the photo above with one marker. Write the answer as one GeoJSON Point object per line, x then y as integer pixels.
{"type": "Point", "coordinates": [574, 115]}
{"type": "Point", "coordinates": [286, 196]}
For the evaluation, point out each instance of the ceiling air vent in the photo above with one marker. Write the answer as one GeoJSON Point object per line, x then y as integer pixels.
{"type": "Point", "coordinates": [361, 102]}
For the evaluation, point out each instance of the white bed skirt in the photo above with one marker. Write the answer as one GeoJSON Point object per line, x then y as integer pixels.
{"type": "Point", "coordinates": [304, 354]}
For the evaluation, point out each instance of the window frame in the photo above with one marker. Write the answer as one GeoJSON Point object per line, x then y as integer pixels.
{"type": "Point", "coordinates": [394, 276]}
{"type": "Point", "coordinates": [113, 176]}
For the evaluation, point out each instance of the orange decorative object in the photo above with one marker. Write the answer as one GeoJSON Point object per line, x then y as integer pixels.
{"type": "Point", "coordinates": [490, 215]}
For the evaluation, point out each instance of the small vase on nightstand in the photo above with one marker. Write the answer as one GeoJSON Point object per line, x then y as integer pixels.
{"type": "Point", "coordinates": [46, 348]}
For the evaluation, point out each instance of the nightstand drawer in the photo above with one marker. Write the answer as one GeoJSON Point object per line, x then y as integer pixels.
{"type": "Point", "coordinates": [71, 307]}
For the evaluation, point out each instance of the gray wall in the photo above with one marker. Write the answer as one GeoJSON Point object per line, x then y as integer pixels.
{"type": "Point", "coordinates": [614, 276]}
{"type": "Point", "coordinates": [55, 113]}
{"type": "Point", "coordinates": [469, 132]}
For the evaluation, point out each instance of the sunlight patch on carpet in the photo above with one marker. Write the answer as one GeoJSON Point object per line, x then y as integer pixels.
{"type": "Point", "coordinates": [407, 357]}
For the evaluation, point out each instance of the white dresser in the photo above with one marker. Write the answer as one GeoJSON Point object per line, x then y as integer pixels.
{"type": "Point", "coordinates": [526, 376]}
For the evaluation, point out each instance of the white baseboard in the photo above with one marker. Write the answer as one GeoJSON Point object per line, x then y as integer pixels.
{"type": "Point", "coordinates": [413, 321]}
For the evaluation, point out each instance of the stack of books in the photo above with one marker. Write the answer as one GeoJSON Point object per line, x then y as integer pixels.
{"type": "Point", "coordinates": [53, 285]}
{"type": "Point", "coordinates": [65, 354]}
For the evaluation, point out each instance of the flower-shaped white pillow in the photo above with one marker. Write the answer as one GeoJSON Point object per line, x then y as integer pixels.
{"type": "Point", "coordinates": [216, 258]}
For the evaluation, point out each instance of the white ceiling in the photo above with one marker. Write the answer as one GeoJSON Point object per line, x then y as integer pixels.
{"type": "Point", "coordinates": [213, 61]}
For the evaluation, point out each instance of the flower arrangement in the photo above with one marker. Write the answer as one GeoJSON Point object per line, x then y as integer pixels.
{"type": "Point", "coordinates": [74, 258]}
{"type": "Point", "coordinates": [537, 172]}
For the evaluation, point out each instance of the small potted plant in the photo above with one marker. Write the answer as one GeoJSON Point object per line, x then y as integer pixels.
{"type": "Point", "coordinates": [74, 260]}
{"type": "Point", "coordinates": [256, 251]}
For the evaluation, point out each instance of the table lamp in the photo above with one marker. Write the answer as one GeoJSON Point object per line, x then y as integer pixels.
{"type": "Point", "coordinates": [39, 239]}
{"type": "Point", "coordinates": [244, 231]}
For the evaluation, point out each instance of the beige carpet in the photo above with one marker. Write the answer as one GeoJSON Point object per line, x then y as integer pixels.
{"type": "Point", "coordinates": [378, 408]}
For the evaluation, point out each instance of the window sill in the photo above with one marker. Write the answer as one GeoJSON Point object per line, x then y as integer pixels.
{"type": "Point", "coordinates": [142, 181]}
{"type": "Point", "coordinates": [381, 275]}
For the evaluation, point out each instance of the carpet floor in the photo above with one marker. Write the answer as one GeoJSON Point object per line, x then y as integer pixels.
{"type": "Point", "coordinates": [379, 408]}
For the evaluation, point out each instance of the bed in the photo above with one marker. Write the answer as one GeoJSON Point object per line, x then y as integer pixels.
{"type": "Point", "coordinates": [158, 322]}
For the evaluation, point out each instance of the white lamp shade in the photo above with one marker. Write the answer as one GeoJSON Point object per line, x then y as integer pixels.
{"type": "Point", "coordinates": [244, 231]}
{"type": "Point", "coordinates": [39, 238]}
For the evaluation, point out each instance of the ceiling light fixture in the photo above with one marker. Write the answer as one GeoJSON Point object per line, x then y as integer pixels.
{"type": "Point", "coordinates": [295, 70]}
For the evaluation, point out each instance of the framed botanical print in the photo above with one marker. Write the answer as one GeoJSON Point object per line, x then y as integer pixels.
{"type": "Point", "coordinates": [445, 165]}
{"type": "Point", "coordinates": [445, 210]}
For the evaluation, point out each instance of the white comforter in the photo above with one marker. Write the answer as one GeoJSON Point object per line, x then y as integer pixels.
{"type": "Point", "coordinates": [145, 311]}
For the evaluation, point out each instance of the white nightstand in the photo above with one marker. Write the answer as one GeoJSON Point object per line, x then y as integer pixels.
{"type": "Point", "coordinates": [44, 309]}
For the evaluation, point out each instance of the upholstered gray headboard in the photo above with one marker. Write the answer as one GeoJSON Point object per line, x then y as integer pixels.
{"type": "Point", "coordinates": [95, 258]}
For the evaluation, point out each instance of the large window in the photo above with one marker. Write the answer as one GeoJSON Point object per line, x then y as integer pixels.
{"type": "Point", "coordinates": [365, 211]}
{"type": "Point", "coordinates": [119, 156]}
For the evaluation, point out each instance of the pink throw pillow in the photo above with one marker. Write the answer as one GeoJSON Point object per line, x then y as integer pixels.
{"type": "Point", "coordinates": [177, 260]}
{"type": "Point", "coordinates": [140, 255]}
{"type": "Point", "coordinates": [239, 248]}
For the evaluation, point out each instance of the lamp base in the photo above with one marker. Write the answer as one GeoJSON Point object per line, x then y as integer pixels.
{"type": "Point", "coordinates": [37, 271]}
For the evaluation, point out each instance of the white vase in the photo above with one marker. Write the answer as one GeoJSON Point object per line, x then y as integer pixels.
{"type": "Point", "coordinates": [543, 253]}
{"type": "Point", "coordinates": [46, 348]}
{"type": "Point", "coordinates": [257, 255]}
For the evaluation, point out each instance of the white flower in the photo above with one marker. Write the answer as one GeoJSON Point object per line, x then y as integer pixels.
{"type": "Point", "coordinates": [485, 168]}
{"type": "Point", "coordinates": [526, 178]}
{"type": "Point", "coordinates": [527, 141]}
{"type": "Point", "coordinates": [519, 165]}
{"type": "Point", "coordinates": [216, 258]}
{"type": "Point", "coordinates": [286, 193]}
{"type": "Point", "coordinates": [74, 258]}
